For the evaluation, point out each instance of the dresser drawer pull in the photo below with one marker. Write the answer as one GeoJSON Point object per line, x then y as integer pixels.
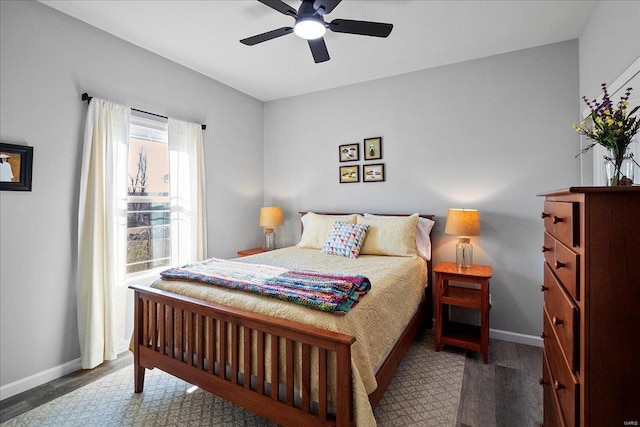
{"type": "Point", "coordinates": [556, 321]}
{"type": "Point", "coordinates": [557, 385]}
{"type": "Point", "coordinates": [560, 265]}
{"type": "Point", "coordinates": [543, 335]}
{"type": "Point", "coordinates": [556, 219]}
{"type": "Point", "coordinates": [543, 215]}
{"type": "Point", "coordinates": [543, 249]}
{"type": "Point", "coordinates": [541, 381]}
{"type": "Point", "coordinates": [543, 288]}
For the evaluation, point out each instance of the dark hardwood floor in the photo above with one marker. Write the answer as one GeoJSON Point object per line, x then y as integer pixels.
{"type": "Point", "coordinates": [504, 392]}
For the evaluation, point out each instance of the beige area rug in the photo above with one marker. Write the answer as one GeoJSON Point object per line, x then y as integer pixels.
{"type": "Point", "coordinates": [424, 392]}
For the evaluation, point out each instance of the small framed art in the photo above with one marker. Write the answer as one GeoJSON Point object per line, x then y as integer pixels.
{"type": "Point", "coordinates": [373, 148]}
{"type": "Point", "coordinates": [373, 173]}
{"type": "Point", "coordinates": [16, 162]}
{"type": "Point", "coordinates": [349, 152]}
{"type": "Point", "coordinates": [349, 174]}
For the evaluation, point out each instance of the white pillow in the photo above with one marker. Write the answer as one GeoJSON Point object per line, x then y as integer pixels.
{"type": "Point", "coordinates": [390, 236]}
{"type": "Point", "coordinates": [317, 228]}
{"type": "Point", "coordinates": [423, 239]}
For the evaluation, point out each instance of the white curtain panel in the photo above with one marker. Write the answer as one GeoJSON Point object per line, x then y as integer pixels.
{"type": "Point", "coordinates": [102, 227]}
{"type": "Point", "coordinates": [188, 202]}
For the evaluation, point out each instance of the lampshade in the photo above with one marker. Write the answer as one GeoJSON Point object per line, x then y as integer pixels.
{"type": "Point", "coordinates": [271, 216]}
{"type": "Point", "coordinates": [463, 222]}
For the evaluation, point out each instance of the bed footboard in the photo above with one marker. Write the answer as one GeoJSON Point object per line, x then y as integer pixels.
{"type": "Point", "coordinates": [231, 353]}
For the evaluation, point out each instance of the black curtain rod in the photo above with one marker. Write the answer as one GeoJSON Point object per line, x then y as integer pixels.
{"type": "Point", "coordinates": [86, 97]}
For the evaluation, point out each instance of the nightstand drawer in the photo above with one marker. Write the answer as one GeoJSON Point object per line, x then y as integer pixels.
{"type": "Point", "coordinates": [562, 383]}
{"type": "Point", "coordinates": [563, 318]}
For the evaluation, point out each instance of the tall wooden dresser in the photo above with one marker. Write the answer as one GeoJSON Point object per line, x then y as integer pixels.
{"type": "Point", "coordinates": [591, 331]}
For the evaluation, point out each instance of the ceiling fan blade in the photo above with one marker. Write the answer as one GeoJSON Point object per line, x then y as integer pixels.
{"type": "Point", "coordinates": [319, 50]}
{"type": "Point", "coordinates": [326, 5]}
{"type": "Point", "coordinates": [250, 41]}
{"type": "Point", "coordinates": [365, 28]}
{"type": "Point", "coordinates": [280, 6]}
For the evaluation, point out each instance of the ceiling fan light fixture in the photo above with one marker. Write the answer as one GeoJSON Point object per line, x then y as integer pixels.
{"type": "Point", "coordinates": [309, 28]}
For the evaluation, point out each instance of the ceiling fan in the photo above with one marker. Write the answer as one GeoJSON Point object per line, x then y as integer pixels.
{"type": "Point", "coordinates": [310, 25]}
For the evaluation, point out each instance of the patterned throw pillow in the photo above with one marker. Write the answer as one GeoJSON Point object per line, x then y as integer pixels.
{"type": "Point", "coordinates": [345, 239]}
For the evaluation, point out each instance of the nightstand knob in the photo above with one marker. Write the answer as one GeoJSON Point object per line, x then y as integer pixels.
{"type": "Point", "coordinates": [541, 381]}
{"type": "Point", "coordinates": [556, 321]}
{"type": "Point", "coordinates": [543, 249]}
{"type": "Point", "coordinates": [559, 265]}
{"type": "Point", "coordinates": [557, 385]}
{"type": "Point", "coordinates": [556, 219]}
{"type": "Point", "coordinates": [543, 335]}
{"type": "Point", "coordinates": [543, 288]}
{"type": "Point", "coordinates": [543, 215]}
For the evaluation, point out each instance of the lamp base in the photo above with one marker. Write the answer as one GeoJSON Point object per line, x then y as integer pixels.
{"type": "Point", "coordinates": [464, 252]}
{"type": "Point", "coordinates": [269, 239]}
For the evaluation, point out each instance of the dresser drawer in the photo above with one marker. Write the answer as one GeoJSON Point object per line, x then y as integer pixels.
{"type": "Point", "coordinates": [567, 268]}
{"type": "Point", "coordinates": [552, 416]}
{"type": "Point", "coordinates": [565, 223]}
{"type": "Point", "coordinates": [563, 318]}
{"type": "Point", "coordinates": [561, 221]}
{"type": "Point", "coordinates": [561, 381]}
{"type": "Point", "coordinates": [549, 249]}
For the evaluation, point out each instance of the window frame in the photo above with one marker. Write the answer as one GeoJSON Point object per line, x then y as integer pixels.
{"type": "Point", "coordinates": [154, 129]}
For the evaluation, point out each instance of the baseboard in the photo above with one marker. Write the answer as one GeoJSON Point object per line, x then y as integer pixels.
{"type": "Point", "coordinates": [516, 337]}
{"type": "Point", "coordinates": [40, 378]}
{"type": "Point", "coordinates": [499, 334]}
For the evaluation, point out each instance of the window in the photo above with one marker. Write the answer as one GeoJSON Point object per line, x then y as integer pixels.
{"type": "Point", "coordinates": [148, 209]}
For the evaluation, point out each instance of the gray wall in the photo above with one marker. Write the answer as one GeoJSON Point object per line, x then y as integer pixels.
{"type": "Point", "coordinates": [609, 43]}
{"type": "Point", "coordinates": [487, 134]}
{"type": "Point", "coordinates": [48, 59]}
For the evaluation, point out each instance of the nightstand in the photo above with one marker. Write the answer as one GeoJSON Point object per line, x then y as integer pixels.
{"type": "Point", "coordinates": [252, 251]}
{"type": "Point", "coordinates": [471, 337]}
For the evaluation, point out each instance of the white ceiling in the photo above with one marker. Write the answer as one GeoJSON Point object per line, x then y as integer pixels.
{"type": "Point", "coordinates": [204, 36]}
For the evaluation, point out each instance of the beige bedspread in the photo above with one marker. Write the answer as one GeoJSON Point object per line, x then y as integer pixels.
{"type": "Point", "coordinates": [397, 287]}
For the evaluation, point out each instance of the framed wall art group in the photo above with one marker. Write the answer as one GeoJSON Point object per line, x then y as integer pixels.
{"type": "Point", "coordinates": [372, 150]}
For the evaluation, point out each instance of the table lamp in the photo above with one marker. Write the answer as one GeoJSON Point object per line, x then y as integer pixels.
{"type": "Point", "coordinates": [463, 223]}
{"type": "Point", "coordinates": [270, 217]}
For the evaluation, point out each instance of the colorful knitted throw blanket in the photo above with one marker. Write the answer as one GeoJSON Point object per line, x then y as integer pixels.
{"type": "Point", "coordinates": [330, 292]}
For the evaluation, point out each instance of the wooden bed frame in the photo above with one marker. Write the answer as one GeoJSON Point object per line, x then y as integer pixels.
{"type": "Point", "coordinates": [186, 324]}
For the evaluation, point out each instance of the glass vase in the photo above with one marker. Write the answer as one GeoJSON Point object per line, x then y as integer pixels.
{"type": "Point", "coordinates": [618, 168]}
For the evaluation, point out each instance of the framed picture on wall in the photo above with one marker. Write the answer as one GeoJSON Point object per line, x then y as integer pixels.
{"type": "Point", "coordinates": [373, 173]}
{"type": "Point", "coordinates": [16, 162]}
{"type": "Point", "coordinates": [349, 174]}
{"type": "Point", "coordinates": [373, 148]}
{"type": "Point", "coordinates": [349, 152]}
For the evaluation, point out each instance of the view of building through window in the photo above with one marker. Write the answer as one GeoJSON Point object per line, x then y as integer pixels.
{"type": "Point", "coordinates": [148, 228]}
